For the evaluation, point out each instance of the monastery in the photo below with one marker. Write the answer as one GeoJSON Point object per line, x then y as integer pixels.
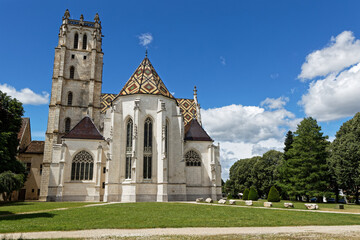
{"type": "Point", "coordinates": [140, 144]}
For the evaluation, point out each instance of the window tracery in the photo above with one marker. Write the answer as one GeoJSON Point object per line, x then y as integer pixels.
{"type": "Point", "coordinates": [82, 166]}
{"type": "Point", "coordinates": [192, 159]}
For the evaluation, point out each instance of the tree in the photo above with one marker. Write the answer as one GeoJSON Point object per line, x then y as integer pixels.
{"type": "Point", "coordinates": [283, 179]}
{"type": "Point", "coordinates": [289, 139]}
{"type": "Point", "coordinates": [11, 112]}
{"type": "Point", "coordinates": [345, 157]}
{"type": "Point", "coordinates": [10, 182]}
{"type": "Point", "coordinates": [253, 194]}
{"type": "Point", "coordinates": [306, 165]}
{"type": "Point", "coordinates": [264, 173]}
{"type": "Point", "coordinates": [273, 195]}
{"type": "Point", "coordinates": [246, 194]}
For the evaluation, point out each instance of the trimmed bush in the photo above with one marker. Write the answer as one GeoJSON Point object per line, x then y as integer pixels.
{"type": "Point", "coordinates": [253, 195]}
{"type": "Point", "coordinates": [273, 195]}
{"type": "Point", "coordinates": [246, 194]}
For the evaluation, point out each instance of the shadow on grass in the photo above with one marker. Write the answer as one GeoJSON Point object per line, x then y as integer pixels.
{"type": "Point", "coordinates": [5, 213]}
{"type": "Point", "coordinates": [17, 203]}
{"type": "Point", "coordinates": [26, 216]}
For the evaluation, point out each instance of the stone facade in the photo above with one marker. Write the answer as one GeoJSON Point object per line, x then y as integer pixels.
{"type": "Point", "coordinates": [140, 147]}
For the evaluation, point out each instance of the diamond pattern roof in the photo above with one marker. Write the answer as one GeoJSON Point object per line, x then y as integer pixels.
{"type": "Point", "coordinates": [145, 80]}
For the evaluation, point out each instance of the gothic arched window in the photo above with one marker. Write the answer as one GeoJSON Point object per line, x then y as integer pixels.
{"type": "Point", "coordinates": [147, 148]}
{"type": "Point", "coordinates": [129, 137]}
{"type": "Point", "coordinates": [72, 72]}
{"type": "Point", "coordinates": [84, 43]}
{"type": "Point", "coordinates": [67, 125]}
{"type": "Point", "coordinates": [76, 40]}
{"type": "Point", "coordinates": [192, 159]}
{"type": "Point", "coordinates": [70, 98]}
{"type": "Point", "coordinates": [82, 166]}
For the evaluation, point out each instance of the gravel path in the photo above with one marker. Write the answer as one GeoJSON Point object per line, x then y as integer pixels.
{"type": "Point", "coordinates": [103, 233]}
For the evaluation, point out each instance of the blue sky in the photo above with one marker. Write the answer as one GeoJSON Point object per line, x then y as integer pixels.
{"type": "Point", "coordinates": [259, 66]}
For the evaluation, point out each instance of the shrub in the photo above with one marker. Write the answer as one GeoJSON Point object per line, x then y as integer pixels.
{"type": "Point", "coordinates": [253, 195]}
{"type": "Point", "coordinates": [230, 196]}
{"type": "Point", "coordinates": [10, 182]}
{"type": "Point", "coordinates": [273, 195]}
{"type": "Point", "coordinates": [246, 194]}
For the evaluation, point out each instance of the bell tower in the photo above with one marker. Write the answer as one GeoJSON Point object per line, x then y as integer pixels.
{"type": "Point", "coordinates": [76, 85]}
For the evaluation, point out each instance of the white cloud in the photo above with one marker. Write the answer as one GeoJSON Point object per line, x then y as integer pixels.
{"type": "Point", "coordinates": [222, 60]}
{"type": "Point", "coordinates": [273, 103]}
{"type": "Point", "coordinates": [336, 95]}
{"type": "Point", "coordinates": [25, 95]}
{"type": "Point", "coordinates": [342, 51]}
{"type": "Point", "coordinates": [145, 39]}
{"type": "Point", "coordinates": [246, 131]}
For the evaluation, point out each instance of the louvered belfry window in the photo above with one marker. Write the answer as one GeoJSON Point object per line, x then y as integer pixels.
{"type": "Point", "coordinates": [84, 43]}
{"type": "Point", "coordinates": [76, 41]}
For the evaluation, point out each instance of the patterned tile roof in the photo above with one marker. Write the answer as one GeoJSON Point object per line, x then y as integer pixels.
{"type": "Point", "coordinates": [188, 109]}
{"type": "Point", "coordinates": [106, 99]}
{"type": "Point", "coordinates": [145, 80]}
{"type": "Point", "coordinates": [187, 106]}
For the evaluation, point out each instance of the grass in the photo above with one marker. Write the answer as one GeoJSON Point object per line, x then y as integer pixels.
{"type": "Point", "coordinates": [165, 215]}
{"type": "Point", "coordinates": [21, 207]}
{"type": "Point", "coordinates": [300, 205]}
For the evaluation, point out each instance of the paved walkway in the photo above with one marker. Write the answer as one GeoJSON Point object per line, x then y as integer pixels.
{"type": "Point", "coordinates": [103, 233]}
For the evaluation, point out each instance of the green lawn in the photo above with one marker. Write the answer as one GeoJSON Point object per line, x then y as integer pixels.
{"type": "Point", "coordinates": [20, 207]}
{"type": "Point", "coordinates": [300, 205]}
{"type": "Point", "coordinates": [162, 215]}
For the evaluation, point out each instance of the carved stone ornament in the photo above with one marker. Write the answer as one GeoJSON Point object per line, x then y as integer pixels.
{"type": "Point", "coordinates": [135, 131]}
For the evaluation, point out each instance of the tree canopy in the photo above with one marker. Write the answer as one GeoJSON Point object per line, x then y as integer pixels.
{"type": "Point", "coordinates": [11, 111]}
{"type": "Point", "coordinates": [260, 172]}
{"type": "Point", "coordinates": [345, 157]}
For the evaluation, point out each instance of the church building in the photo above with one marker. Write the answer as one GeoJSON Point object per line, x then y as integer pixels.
{"type": "Point", "coordinates": [139, 144]}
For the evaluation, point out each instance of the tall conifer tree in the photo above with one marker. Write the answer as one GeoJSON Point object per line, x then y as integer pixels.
{"type": "Point", "coordinates": [306, 165]}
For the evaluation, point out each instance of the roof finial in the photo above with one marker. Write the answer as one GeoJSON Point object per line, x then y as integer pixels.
{"type": "Point", "coordinates": [66, 14]}
{"type": "Point", "coordinates": [81, 18]}
{"type": "Point", "coordinates": [195, 91]}
{"type": "Point", "coordinates": [146, 52]}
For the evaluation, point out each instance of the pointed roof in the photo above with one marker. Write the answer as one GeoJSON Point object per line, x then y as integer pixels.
{"type": "Point", "coordinates": [85, 129]}
{"type": "Point", "coordinates": [145, 80]}
{"type": "Point", "coordinates": [195, 132]}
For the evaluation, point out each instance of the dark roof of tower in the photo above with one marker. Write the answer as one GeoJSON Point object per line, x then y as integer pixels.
{"type": "Point", "coordinates": [195, 132]}
{"type": "Point", "coordinates": [85, 129]}
{"type": "Point", "coordinates": [145, 80]}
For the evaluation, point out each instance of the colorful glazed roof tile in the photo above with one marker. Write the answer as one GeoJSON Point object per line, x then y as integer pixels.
{"type": "Point", "coordinates": [187, 106]}
{"type": "Point", "coordinates": [195, 132]}
{"type": "Point", "coordinates": [106, 99]}
{"type": "Point", "coordinates": [85, 129]}
{"type": "Point", "coordinates": [145, 80]}
{"type": "Point", "coordinates": [188, 109]}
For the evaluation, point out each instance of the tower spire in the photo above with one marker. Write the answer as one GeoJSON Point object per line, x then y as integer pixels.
{"type": "Point", "coordinates": [146, 53]}
{"type": "Point", "coordinates": [197, 105]}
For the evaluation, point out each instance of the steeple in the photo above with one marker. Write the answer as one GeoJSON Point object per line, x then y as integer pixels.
{"type": "Point", "coordinates": [145, 80]}
{"type": "Point", "coordinates": [197, 105]}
